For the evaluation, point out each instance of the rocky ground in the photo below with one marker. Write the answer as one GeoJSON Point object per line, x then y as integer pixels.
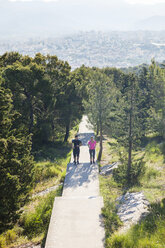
{"type": "Point", "coordinates": [131, 207]}
{"type": "Point", "coordinates": [28, 245]}
{"type": "Point", "coordinates": [46, 191]}
{"type": "Point", "coordinates": [108, 169]}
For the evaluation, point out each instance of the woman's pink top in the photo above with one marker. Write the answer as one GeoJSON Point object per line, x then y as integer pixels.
{"type": "Point", "coordinates": [92, 145]}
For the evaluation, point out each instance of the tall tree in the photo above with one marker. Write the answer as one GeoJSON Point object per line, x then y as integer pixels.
{"type": "Point", "coordinates": [9, 58]}
{"type": "Point", "coordinates": [23, 80]}
{"type": "Point", "coordinates": [70, 107]}
{"type": "Point", "coordinates": [128, 120]}
{"type": "Point", "coordinates": [101, 95]}
{"type": "Point", "coordinates": [156, 77]}
{"type": "Point", "coordinates": [16, 163]}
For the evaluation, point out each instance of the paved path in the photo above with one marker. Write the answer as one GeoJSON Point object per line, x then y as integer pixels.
{"type": "Point", "coordinates": [76, 217]}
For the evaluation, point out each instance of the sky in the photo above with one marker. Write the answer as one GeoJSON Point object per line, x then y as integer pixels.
{"type": "Point", "coordinates": [148, 2]}
{"type": "Point", "coordinates": [60, 17]}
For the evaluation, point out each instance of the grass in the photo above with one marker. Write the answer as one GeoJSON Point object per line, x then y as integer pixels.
{"type": "Point", "coordinates": [35, 221]}
{"type": "Point", "coordinates": [51, 163]}
{"type": "Point", "coordinates": [111, 151]}
{"type": "Point", "coordinates": [150, 233]}
{"type": "Point", "coordinates": [152, 183]}
{"type": "Point", "coordinates": [110, 191]}
{"type": "Point", "coordinates": [51, 160]}
{"type": "Point", "coordinates": [33, 224]}
{"type": "Point", "coordinates": [49, 170]}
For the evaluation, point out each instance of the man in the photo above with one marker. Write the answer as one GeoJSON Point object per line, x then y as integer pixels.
{"type": "Point", "coordinates": [92, 146]}
{"type": "Point", "coordinates": [76, 143]}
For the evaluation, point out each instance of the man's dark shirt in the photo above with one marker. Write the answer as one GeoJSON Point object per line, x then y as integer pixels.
{"type": "Point", "coordinates": [76, 143]}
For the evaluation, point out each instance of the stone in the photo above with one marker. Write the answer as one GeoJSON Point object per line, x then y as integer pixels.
{"type": "Point", "coordinates": [131, 209]}
{"type": "Point", "coordinates": [108, 169]}
{"type": "Point", "coordinates": [46, 191]}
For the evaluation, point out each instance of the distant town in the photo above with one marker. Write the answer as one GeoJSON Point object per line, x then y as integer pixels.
{"type": "Point", "coordinates": [95, 49]}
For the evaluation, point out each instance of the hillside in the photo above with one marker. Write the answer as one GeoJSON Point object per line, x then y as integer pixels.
{"type": "Point", "coordinates": [99, 49]}
{"type": "Point", "coordinates": [152, 23]}
{"type": "Point", "coordinates": [41, 104]}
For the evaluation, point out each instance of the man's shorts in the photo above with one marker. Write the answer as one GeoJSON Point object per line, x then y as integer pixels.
{"type": "Point", "coordinates": [76, 152]}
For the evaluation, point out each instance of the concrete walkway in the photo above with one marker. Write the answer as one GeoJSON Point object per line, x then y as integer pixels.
{"type": "Point", "coordinates": [76, 220]}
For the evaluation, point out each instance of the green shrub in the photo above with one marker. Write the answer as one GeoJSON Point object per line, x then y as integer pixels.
{"type": "Point", "coordinates": [125, 241]}
{"type": "Point", "coordinates": [63, 174]}
{"type": "Point", "coordinates": [162, 147]}
{"type": "Point", "coordinates": [10, 236]}
{"type": "Point", "coordinates": [51, 172]}
{"type": "Point", "coordinates": [154, 151]}
{"type": "Point", "coordinates": [18, 230]}
{"type": "Point", "coordinates": [151, 173]}
{"type": "Point", "coordinates": [111, 220]}
{"type": "Point", "coordinates": [148, 243]}
{"type": "Point", "coordinates": [119, 241]}
{"type": "Point", "coordinates": [36, 222]}
{"type": "Point", "coordinates": [150, 233]}
{"type": "Point", "coordinates": [120, 174]}
{"type": "Point", "coordinates": [52, 152]}
{"type": "Point", "coordinates": [45, 170]}
{"type": "Point", "coordinates": [152, 148]}
{"type": "Point", "coordinates": [2, 242]}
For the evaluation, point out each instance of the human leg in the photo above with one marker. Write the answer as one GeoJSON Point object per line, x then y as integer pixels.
{"type": "Point", "coordinates": [90, 152]}
{"type": "Point", "coordinates": [94, 156]}
{"type": "Point", "coordinates": [78, 154]}
{"type": "Point", "coordinates": [74, 155]}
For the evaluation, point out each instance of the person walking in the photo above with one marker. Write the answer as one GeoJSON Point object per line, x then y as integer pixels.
{"type": "Point", "coordinates": [92, 146]}
{"type": "Point", "coordinates": [76, 143]}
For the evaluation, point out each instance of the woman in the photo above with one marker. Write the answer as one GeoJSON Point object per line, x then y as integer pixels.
{"type": "Point", "coordinates": [92, 146]}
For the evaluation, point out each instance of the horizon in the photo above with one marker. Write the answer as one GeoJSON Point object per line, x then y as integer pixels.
{"type": "Point", "coordinates": [32, 18]}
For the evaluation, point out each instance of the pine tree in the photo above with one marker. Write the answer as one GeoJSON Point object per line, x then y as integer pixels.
{"type": "Point", "coordinates": [101, 95]}
{"type": "Point", "coordinates": [156, 77]}
{"type": "Point", "coordinates": [16, 163]}
{"type": "Point", "coordinates": [128, 120]}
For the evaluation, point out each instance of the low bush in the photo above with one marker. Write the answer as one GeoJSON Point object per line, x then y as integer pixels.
{"type": "Point", "coordinates": [151, 173]}
{"type": "Point", "coordinates": [45, 170]}
{"type": "Point", "coordinates": [111, 220]}
{"type": "Point", "coordinates": [37, 221]}
{"type": "Point", "coordinates": [10, 236]}
{"type": "Point", "coordinates": [162, 147]}
{"type": "Point", "coordinates": [63, 174]}
{"type": "Point", "coordinates": [2, 242]}
{"type": "Point", "coordinates": [119, 241]}
{"type": "Point", "coordinates": [152, 148]}
{"type": "Point", "coordinates": [150, 233]}
{"type": "Point", "coordinates": [52, 152]}
{"type": "Point", "coordinates": [110, 191]}
{"type": "Point", "coordinates": [120, 174]}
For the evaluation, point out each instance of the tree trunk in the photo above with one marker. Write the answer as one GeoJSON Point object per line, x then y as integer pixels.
{"type": "Point", "coordinates": [101, 142]}
{"type": "Point", "coordinates": [130, 140]}
{"type": "Point", "coordinates": [129, 160]}
{"type": "Point", "coordinates": [31, 115]}
{"type": "Point", "coordinates": [97, 130]}
{"type": "Point", "coordinates": [67, 128]}
{"type": "Point", "coordinates": [31, 119]}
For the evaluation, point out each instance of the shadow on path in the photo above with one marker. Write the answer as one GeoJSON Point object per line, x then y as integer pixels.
{"type": "Point", "coordinates": [78, 175]}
